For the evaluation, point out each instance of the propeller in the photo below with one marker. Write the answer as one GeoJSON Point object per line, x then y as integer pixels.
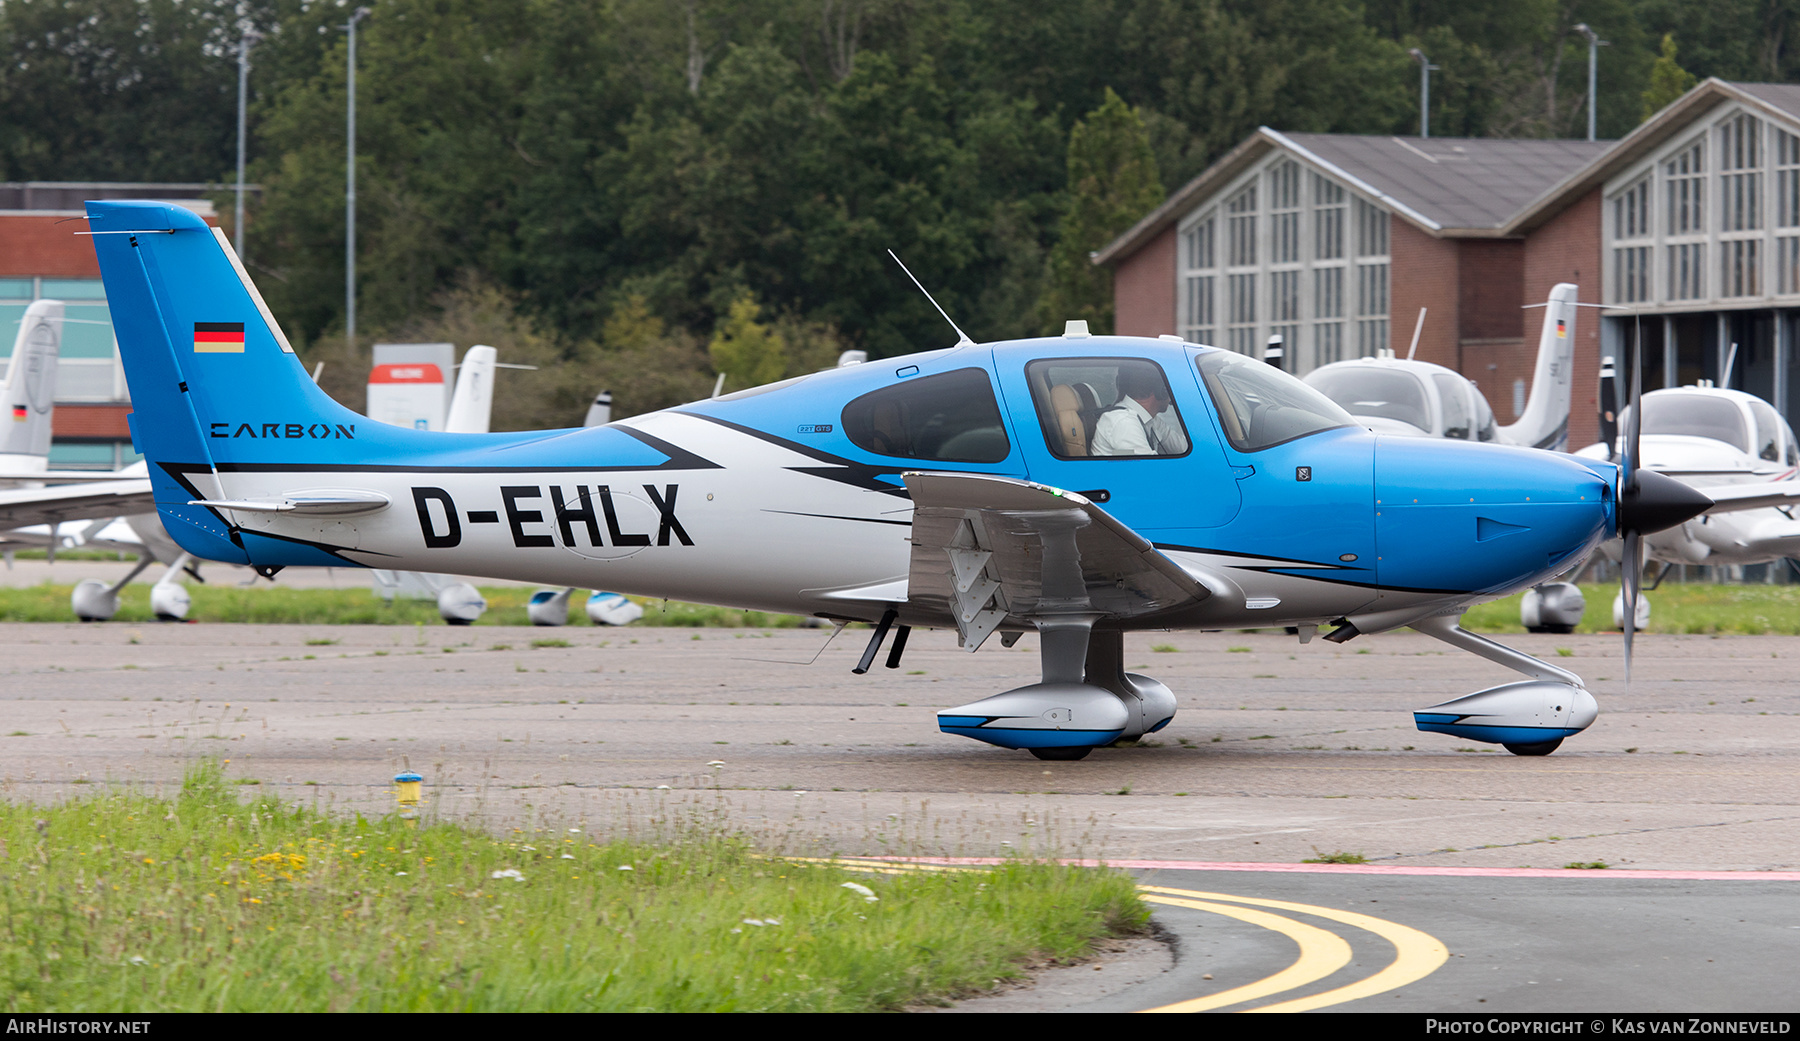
{"type": "Point", "coordinates": [1609, 404]}
{"type": "Point", "coordinates": [1648, 503]}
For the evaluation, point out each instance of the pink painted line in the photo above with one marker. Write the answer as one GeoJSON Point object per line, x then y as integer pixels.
{"type": "Point", "coordinates": [1377, 869]}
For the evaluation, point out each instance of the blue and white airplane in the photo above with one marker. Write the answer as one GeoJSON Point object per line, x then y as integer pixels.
{"type": "Point", "coordinates": [963, 488]}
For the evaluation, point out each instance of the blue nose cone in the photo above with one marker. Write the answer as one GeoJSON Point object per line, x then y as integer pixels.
{"type": "Point", "coordinates": [1487, 519]}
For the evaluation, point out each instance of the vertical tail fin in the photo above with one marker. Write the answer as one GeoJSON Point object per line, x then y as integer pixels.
{"type": "Point", "coordinates": [214, 381]}
{"type": "Point", "coordinates": [472, 403]}
{"type": "Point", "coordinates": [29, 394]}
{"type": "Point", "coordinates": [1545, 421]}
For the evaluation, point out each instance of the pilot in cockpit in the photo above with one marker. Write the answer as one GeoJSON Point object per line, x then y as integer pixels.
{"type": "Point", "coordinates": [1143, 422]}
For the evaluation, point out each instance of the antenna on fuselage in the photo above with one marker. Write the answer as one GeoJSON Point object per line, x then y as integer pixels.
{"type": "Point", "coordinates": [962, 338]}
{"type": "Point", "coordinates": [1418, 327]}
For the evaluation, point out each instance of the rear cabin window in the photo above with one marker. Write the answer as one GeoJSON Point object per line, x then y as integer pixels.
{"type": "Point", "coordinates": [952, 417]}
{"type": "Point", "coordinates": [1093, 407]}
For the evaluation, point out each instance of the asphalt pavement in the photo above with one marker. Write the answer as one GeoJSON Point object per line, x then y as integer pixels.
{"type": "Point", "coordinates": [1280, 753]}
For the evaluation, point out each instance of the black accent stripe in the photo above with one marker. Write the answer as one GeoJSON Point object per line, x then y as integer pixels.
{"type": "Point", "coordinates": [833, 516]}
{"type": "Point", "coordinates": [1286, 561]}
{"type": "Point", "coordinates": [323, 547]}
{"type": "Point", "coordinates": [679, 458]}
{"type": "Point", "coordinates": [1286, 570]}
{"type": "Point", "coordinates": [841, 470]}
{"type": "Point", "coordinates": [387, 469]}
{"type": "Point", "coordinates": [1553, 436]}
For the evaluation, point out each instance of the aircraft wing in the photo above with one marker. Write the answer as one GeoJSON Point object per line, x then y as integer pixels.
{"type": "Point", "coordinates": [1778, 536]}
{"type": "Point", "coordinates": [1729, 498]}
{"type": "Point", "coordinates": [987, 548]}
{"type": "Point", "coordinates": [48, 477]}
{"type": "Point", "coordinates": [23, 507]}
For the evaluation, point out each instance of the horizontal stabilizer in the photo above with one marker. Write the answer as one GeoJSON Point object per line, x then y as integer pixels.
{"type": "Point", "coordinates": [306, 504]}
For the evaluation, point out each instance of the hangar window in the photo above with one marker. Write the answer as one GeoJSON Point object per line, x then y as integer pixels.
{"type": "Point", "coordinates": [952, 417]}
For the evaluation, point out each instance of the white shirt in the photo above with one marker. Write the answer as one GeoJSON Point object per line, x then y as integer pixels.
{"type": "Point", "coordinates": [1128, 428]}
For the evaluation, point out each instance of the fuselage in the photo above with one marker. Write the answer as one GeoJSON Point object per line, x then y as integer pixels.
{"type": "Point", "coordinates": [789, 497]}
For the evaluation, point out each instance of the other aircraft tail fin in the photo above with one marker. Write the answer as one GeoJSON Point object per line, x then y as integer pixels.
{"type": "Point", "coordinates": [472, 402]}
{"type": "Point", "coordinates": [1545, 421]}
{"type": "Point", "coordinates": [29, 395]}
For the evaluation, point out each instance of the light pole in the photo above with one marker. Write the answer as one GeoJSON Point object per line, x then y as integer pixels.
{"type": "Point", "coordinates": [1594, 45]}
{"type": "Point", "coordinates": [350, 189]}
{"type": "Point", "coordinates": [250, 36]}
{"type": "Point", "coordinates": [1425, 71]}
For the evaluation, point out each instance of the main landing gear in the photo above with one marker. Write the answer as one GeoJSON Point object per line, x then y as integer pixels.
{"type": "Point", "coordinates": [1086, 700]}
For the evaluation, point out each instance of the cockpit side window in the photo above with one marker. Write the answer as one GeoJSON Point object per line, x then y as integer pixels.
{"type": "Point", "coordinates": [1484, 419]}
{"type": "Point", "coordinates": [951, 417]}
{"type": "Point", "coordinates": [1093, 407]}
{"type": "Point", "coordinates": [1453, 391]}
{"type": "Point", "coordinates": [1768, 432]}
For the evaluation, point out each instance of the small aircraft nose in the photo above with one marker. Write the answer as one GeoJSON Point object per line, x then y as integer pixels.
{"type": "Point", "coordinates": [1489, 519]}
{"type": "Point", "coordinates": [1659, 502]}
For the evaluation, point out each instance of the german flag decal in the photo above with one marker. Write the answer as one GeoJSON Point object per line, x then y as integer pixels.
{"type": "Point", "coordinates": [20, 414]}
{"type": "Point", "coordinates": [218, 337]}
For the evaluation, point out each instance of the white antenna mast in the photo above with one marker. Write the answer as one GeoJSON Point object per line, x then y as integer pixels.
{"type": "Point", "coordinates": [962, 338]}
{"type": "Point", "coordinates": [1418, 327]}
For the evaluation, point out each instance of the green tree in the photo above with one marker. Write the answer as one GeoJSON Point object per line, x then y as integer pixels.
{"type": "Point", "coordinates": [748, 352]}
{"type": "Point", "coordinates": [1668, 80]}
{"type": "Point", "coordinates": [1112, 183]}
{"type": "Point", "coordinates": [121, 90]}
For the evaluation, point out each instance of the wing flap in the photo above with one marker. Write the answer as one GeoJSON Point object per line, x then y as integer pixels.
{"type": "Point", "coordinates": [986, 549]}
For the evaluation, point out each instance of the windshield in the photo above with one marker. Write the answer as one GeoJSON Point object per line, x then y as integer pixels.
{"type": "Point", "coordinates": [1379, 392]}
{"type": "Point", "coordinates": [1692, 415]}
{"type": "Point", "coordinates": [1260, 406]}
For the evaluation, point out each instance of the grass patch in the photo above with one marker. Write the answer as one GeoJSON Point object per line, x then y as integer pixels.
{"type": "Point", "coordinates": [264, 604]}
{"type": "Point", "coordinates": [1678, 607]}
{"type": "Point", "coordinates": [1340, 857]}
{"type": "Point", "coordinates": [1587, 865]}
{"type": "Point", "coordinates": [125, 902]}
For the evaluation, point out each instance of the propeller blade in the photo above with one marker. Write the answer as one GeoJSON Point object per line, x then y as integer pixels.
{"type": "Point", "coordinates": [1609, 407]}
{"type": "Point", "coordinates": [1631, 457]}
{"type": "Point", "coordinates": [1631, 580]}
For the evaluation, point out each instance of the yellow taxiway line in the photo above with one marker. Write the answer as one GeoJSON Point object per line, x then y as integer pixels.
{"type": "Point", "coordinates": [1416, 954]}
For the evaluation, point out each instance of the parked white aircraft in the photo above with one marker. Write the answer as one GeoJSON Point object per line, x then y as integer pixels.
{"type": "Point", "coordinates": [1392, 395]}
{"type": "Point", "coordinates": [1737, 449]}
{"type": "Point", "coordinates": [30, 492]}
